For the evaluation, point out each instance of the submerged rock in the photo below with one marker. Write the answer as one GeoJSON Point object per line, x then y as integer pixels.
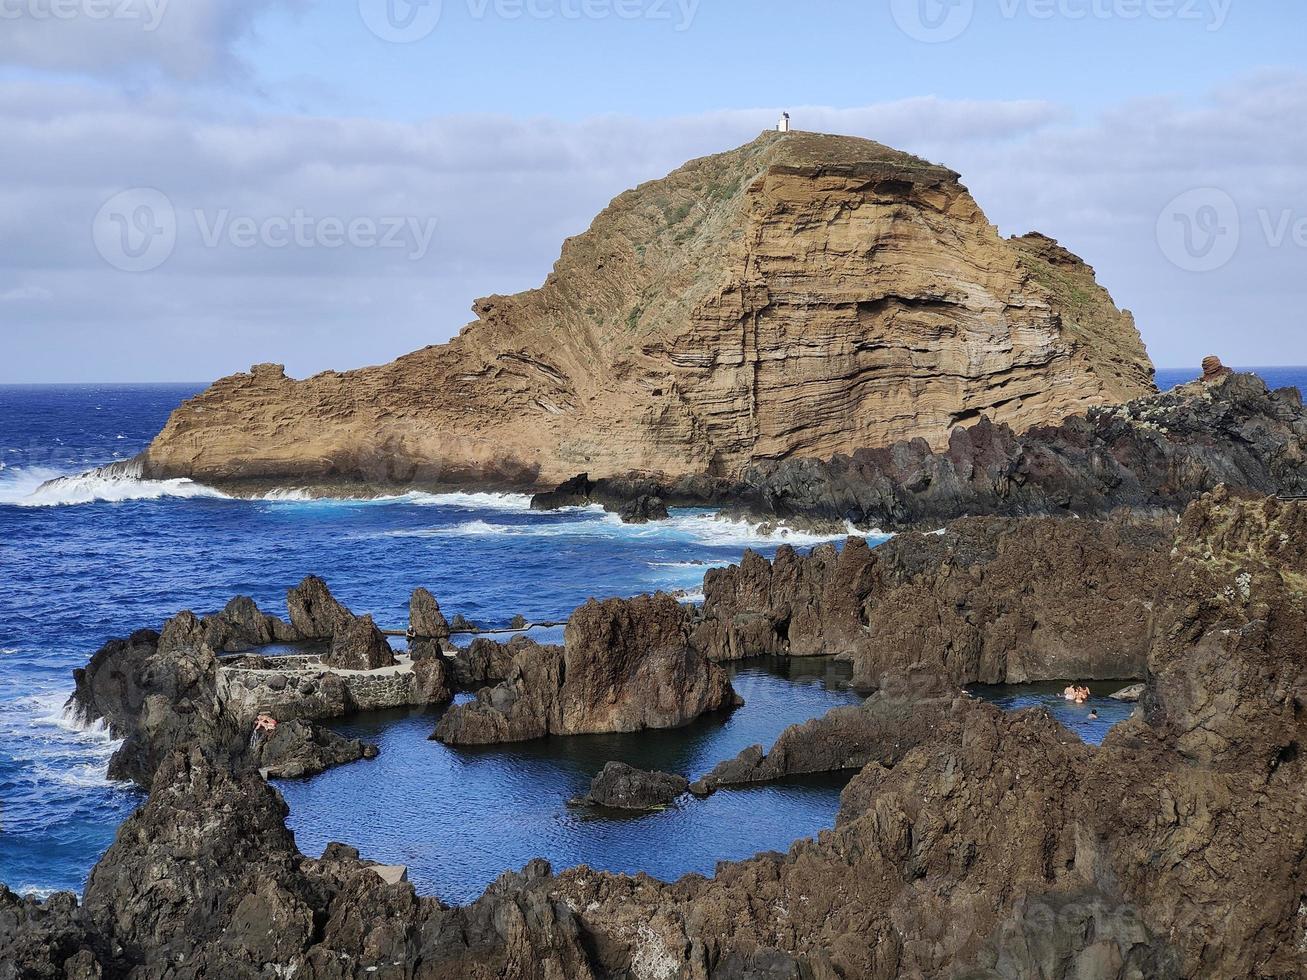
{"type": "Point", "coordinates": [622, 787]}
{"type": "Point", "coordinates": [626, 664]}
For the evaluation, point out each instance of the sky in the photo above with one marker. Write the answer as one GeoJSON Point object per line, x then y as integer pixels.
{"type": "Point", "coordinates": [188, 187]}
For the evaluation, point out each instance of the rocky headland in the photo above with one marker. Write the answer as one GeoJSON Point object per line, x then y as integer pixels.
{"type": "Point", "coordinates": [970, 843]}
{"type": "Point", "coordinates": [800, 296]}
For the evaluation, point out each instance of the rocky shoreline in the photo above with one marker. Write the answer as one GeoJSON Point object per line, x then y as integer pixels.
{"type": "Point", "coordinates": [1151, 455]}
{"type": "Point", "coordinates": [970, 843]}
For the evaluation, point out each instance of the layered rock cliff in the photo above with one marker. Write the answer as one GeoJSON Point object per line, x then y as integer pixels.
{"type": "Point", "coordinates": [802, 295]}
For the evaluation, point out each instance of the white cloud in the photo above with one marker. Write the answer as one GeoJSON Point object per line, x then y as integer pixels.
{"type": "Point", "coordinates": [182, 39]}
{"type": "Point", "coordinates": [504, 192]}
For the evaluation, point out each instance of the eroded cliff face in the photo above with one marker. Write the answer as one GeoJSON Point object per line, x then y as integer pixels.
{"type": "Point", "coordinates": [801, 295]}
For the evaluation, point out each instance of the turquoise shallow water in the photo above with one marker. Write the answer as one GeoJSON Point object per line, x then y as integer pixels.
{"type": "Point", "coordinates": [98, 559]}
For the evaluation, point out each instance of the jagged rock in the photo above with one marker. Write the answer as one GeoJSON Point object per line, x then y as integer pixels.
{"type": "Point", "coordinates": [987, 600]}
{"type": "Point", "coordinates": [359, 645]}
{"type": "Point", "coordinates": [793, 606]}
{"type": "Point", "coordinates": [614, 493]}
{"type": "Point", "coordinates": [295, 749]}
{"type": "Point", "coordinates": [461, 624]}
{"type": "Point", "coordinates": [998, 845]}
{"type": "Point", "coordinates": [425, 618]}
{"type": "Point", "coordinates": [988, 844]}
{"type": "Point", "coordinates": [314, 611]}
{"type": "Point", "coordinates": [208, 860]}
{"type": "Point", "coordinates": [1158, 452]}
{"type": "Point", "coordinates": [625, 665]}
{"type": "Point", "coordinates": [430, 682]}
{"type": "Point", "coordinates": [207, 875]}
{"type": "Point", "coordinates": [704, 321]}
{"type": "Point", "coordinates": [163, 692]}
{"type": "Point", "coordinates": [156, 693]}
{"type": "Point", "coordinates": [1070, 936]}
{"type": "Point", "coordinates": [486, 662]}
{"type": "Point", "coordinates": [622, 787]}
{"type": "Point", "coordinates": [1214, 370]}
{"type": "Point", "coordinates": [643, 510]}
{"type": "Point", "coordinates": [242, 625]}
{"type": "Point", "coordinates": [574, 492]}
{"type": "Point", "coordinates": [519, 622]}
{"type": "Point", "coordinates": [44, 940]}
{"type": "Point", "coordinates": [1002, 601]}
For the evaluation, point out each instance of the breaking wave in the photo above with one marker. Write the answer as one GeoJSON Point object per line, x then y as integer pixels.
{"type": "Point", "coordinates": [119, 482]}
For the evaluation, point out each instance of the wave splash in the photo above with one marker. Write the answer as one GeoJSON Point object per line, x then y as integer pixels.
{"type": "Point", "coordinates": [115, 483]}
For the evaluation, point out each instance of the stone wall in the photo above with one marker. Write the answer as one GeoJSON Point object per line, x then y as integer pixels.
{"type": "Point", "coordinates": [306, 689]}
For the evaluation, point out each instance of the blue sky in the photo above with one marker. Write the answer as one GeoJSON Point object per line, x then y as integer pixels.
{"type": "Point", "coordinates": [1124, 128]}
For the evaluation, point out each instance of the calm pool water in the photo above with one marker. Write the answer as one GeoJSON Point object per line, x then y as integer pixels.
{"type": "Point", "coordinates": [460, 817]}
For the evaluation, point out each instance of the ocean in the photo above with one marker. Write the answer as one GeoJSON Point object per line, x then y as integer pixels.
{"type": "Point", "coordinates": [99, 558]}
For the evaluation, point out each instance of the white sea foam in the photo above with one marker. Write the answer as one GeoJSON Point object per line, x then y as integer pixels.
{"type": "Point", "coordinates": [698, 528]}
{"type": "Point", "coordinates": [512, 502]}
{"type": "Point", "coordinates": [39, 487]}
{"type": "Point", "coordinates": [36, 892]}
{"type": "Point", "coordinates": [516, 502]}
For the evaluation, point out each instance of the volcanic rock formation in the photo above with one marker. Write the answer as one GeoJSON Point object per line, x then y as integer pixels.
{"type": "Point", "coordinates": [622, 787]}
{"type": "Point", "coordinates": [976, 844]}
{"type": "Point", "coordinates": [988, 600]}
{"type": "Point", "coordinates": [626, 665]}
{"type": "Point", "coordinates": [802, 295]}
{"type": "Point", "coordinates": [1157, 453]}
{"type": "Point", "coordinates": [161, 692]}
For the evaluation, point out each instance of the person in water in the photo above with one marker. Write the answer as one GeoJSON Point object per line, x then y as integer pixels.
{"type": "Point", "coordinates": [1070, 692]}
{"type": "Point", "coordinates": [1093, 714]}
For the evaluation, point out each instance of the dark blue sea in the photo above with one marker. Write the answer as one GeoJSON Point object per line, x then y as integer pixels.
{"type": "Point", "coordinates": [98, 559]}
